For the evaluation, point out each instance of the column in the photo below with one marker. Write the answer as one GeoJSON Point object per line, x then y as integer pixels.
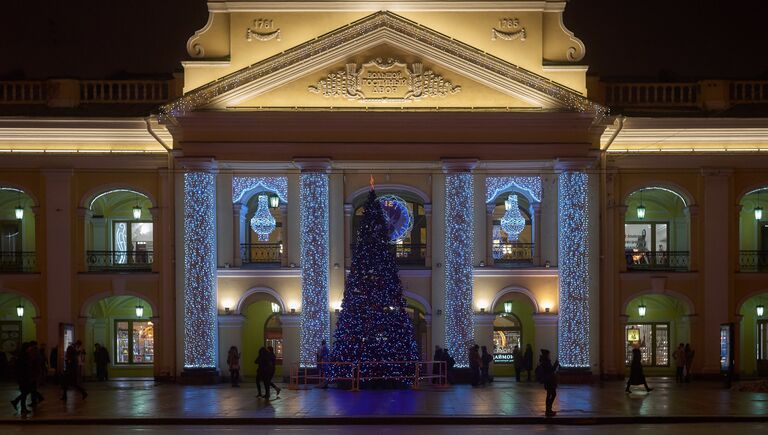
{"type": "Point", "coordinates": [58, 258]}
{"type": "Point", "coordinates": [230, 334]}
{"type": "Point", "coordinates": [315, 273]}
{"type": "Point", "coordinates": [428, 241]}
{"type": "Point", "coordinates": [693, 237]}
{"type": "Point", "coordinates": [157, 248]}
{"type": "Point", "coordinates": [459, 262]}
{"type": "Point", "coordinates": [537, 234]}
{"type": "Point", "coordinates": [83, 217]}
{"type": "Point", "coordinates": [238, 211]}
{"type": "Point", "coordinates": [348, 210]}
{"type": "Point", "coordinates": [291, 342]}
{"type": "Point", "coordinates": [284, 235]}
{"type": "Point", "coordinates": [200, 313]}
{"type": "Point", "coordinates": [489, 234]}
{"type": "Point", "coordinates": [573, 257]}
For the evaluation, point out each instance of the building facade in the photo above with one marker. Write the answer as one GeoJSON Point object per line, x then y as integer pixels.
{"type": "Point", "coordinates": [528, 212]}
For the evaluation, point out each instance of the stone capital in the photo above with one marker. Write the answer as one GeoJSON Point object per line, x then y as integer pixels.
{"type": "Point", "coordinates": [541, 319]}
{"type": "Point", "coordinates": [231, 320]}
{"type": "Point", "coordinates": [205, 164]}
{"type": "Point", "coordinates": [459, 165]}
{"type": "Point", "coordinates": [313, 164]}
{"type": "Point", "coordinates": [573, 164]}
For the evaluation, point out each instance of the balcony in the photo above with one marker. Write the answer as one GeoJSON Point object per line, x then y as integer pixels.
{"type": "Point", "coordinates": [513, 254]}
{"type": "Point", "coordinates": [261, 254]}
{"type": "Point", "coordinates": [669, 261]}
{"type": "Point", "coordinates": [18, 262]}
{"type": "Point", "coordinates": [405, 254]}
{"type": "Point", "coordinates": [753, 261]}
{"type": "Point", "coordinates": [119, 261]}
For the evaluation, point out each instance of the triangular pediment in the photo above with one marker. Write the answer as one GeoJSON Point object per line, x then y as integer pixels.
{"type": "Point", "coordinates": [404, 38]}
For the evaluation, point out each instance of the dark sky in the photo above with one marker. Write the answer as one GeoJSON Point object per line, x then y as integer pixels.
{"type": "Point", "coordinates": [671, 39]}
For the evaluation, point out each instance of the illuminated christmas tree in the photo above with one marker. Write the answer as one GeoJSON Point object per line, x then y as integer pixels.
{"type": "Point", "coordinates": [373, 324]}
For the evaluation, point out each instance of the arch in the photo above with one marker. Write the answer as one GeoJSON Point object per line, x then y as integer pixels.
{"type": "Point", "coordinates": [516, 289]}
{"type": "Point", "coordinates": [253, 290]}
{"type": "Point", "coordinates": [749, 296]}
{"type": "Point", "coordinates": [85, 308]}
{"type": "Point", "coordinates": [25, 296]}
{"type": "Point", "coordinates": [104, 189]}
{"type": "Point", "coordinates": [667, 186]}
{"type": "Point", "coordinates": [691, 308]}
{"type": "Point", "coordinates": [244, 188]}
{"type": "Point", "coordinates": [420, 299]}
{"type": "Point", "coordinates": [4, 185]}
{"type": "Point", "coordinates": [753, 188]}
{"type": "Point", "coordinates": [388, 188]}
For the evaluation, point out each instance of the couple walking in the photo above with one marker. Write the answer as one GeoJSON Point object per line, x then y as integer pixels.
{"type": "Point", "coordinates": [266, 360]}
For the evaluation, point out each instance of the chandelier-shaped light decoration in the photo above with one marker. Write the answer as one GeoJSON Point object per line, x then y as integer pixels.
{"type": "Point", "coordinates": [262, 221]}
{"type": "Point", "coordinates": [513, 223]}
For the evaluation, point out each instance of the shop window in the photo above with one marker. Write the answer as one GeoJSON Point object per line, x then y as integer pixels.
{"type": "Point", "coordinates": [507, 333]}
{"type": "Point", "coordinates": [134, 342]}
{"type": "Point", "coordinates": [653, 340]}
{"type": "Point", "coordinates": [132, 241]}
{"type": "Point", "coordinates": [273, 335]}
{"type": "Point", "coordinates": [277, 345]}
{"type": "Point", "coordinates": [643, 237]}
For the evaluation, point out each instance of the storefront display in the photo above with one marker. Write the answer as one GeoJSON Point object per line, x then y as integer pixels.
{"type": "Point", "coordinates": [653, 341]}
{"type": "Point", "coordinates": [507, 334]}
{"type": "Point", "coordinates": [134, 342]}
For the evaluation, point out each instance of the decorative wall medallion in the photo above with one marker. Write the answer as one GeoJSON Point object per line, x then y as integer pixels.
{"type": "Point", "coordinates": [381, 81]}
{"type": "Point", "coordinates": [263, 30]}
{"type": "Point", "coordinates": [509, 30]}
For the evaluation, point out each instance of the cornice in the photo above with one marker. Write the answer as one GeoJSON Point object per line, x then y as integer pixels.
{"type": "Point", "coordinates": [387, 5]}
{"type": "Point", "coordinates": [80, 131]}
{"type": "Point", "coordinates": [490, 272]}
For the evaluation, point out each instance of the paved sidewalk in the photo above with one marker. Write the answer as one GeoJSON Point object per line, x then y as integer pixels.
{"type": "Point", "coordinates": [505, 402]}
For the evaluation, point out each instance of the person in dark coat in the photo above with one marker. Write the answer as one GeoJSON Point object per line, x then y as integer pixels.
{"type": "Point", "coordinates": [36, 366]}
{"type": "Point", "coordinates": [101, 356]}
{"type": "Point", "coordinates": [71, 376]}
{"type": "Point", "coordinates": [636, 375]}
{"type": "Point", "coordinates": [449, 363]}
{"type": "Point", "coordinates": [546, 372]}
{"type": "Point", "coordinates": [436, 367]}
{"type": "Point", "coordinates": [519, 363]}
{"type": "Point", "coordinates": [265, 372]}
{"type": "Point", "coordinates": [528, 360]}
{"type": "Point", "coordinates": [689, 354]}
{"type": "Point", "coordinates": [474, 364]}
{"type": "Point", "coordinates": [233, 361]}
{"type": "Point", "coordinates": [485, 366]}
{"type": "Point", "coordinates": [23, 378]}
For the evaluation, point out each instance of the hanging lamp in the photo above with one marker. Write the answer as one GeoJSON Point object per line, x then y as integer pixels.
{"type": "Point", "coordinates": [513, 223]}
{"type": "Point", "coordinates": [137, 211]}
{"type": "Point", "coordinates": [139, 311]}
{"type": "Point", "coordinates": [760, 310]}
{"type": "Point", "coordinates": [20, 310]}
{"type": "Point", "coordinates": [274, 201]}
{"type": "Point", "coordinates": [641, 309]}
{"type": "Point", "coordinates": [641, 208]}
{"type": "Point", "coordinates": [19, 209]}
{"type": "Point", "coordinates": [758, 209]}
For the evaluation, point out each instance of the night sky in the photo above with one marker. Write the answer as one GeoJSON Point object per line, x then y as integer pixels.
{"type": "Point", "coordinates": [654, 39]}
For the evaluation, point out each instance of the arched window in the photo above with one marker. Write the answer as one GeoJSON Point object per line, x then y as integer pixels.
{"type": "Point", "coordinates": [753, 232]}
{"type": "Point", "coordinates": [119, 232]}
{"type": "Point", "coordinates": [17, 231]}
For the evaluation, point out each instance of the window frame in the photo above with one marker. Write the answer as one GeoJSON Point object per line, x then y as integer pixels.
{"type": "Point", "coordinates": [115, 353]}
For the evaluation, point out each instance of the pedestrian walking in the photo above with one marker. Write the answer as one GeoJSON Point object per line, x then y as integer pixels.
{"type": "Point", "coordinates": [517, 360]}
{"type": "Point", "coordinates": [233, 361]}
{"type": "Point", "coordinates": [322, 357]}
{"type": "Point", "coordinates": [23, 378]}
{"type": "Point", "coordinates": [636, 375]}
{"type": "Point", "coordinates": [485, 366]}
{"type": "Point", "coordinates": [71, 377]}
{"type": "Point", "coordinates": [273, 360]}
{"type": "Point", "coordinates": [474, 364]}
{"type": "Point", "coordinates": [101, 357]}
{"type": "Point", "coordinates": [36, 364]}
{"type": "Point", "coordinates": [265, 372]}
{"type": "Point", "coordinates": [689, 354]}
{"type": "Point", "coordinates": [528, 360]}
{"type": "Point", "coordinates": [435, 365]}
{"type": "Point", "coordinates": [546, 373]}
{"type": "Point", "coordinates": [679, 356]}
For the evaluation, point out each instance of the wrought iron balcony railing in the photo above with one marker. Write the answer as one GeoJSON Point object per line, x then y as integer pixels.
{"type": "Point", "coordinates": [514, 254]}
{"type": "Point", "coordinates": [261, 253]}
{"type": "Point", "coordinates": [672, 261]}
{"type": "Point", "coordinates": [18, 262]}
{"type": "Point", "coordinates": [119, 261]}
{"type": "Point", "coordinates": [405, 254]}
{"type": "Point", "coordinates": [753, 261]}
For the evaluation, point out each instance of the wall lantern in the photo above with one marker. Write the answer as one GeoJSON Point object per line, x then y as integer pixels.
{"type": "Point", "coordinates": [19, 212]}
{"type": "Point", "coordinates": [275, 308]}
{"type": "Point", "coordinates": [508, 307]}
{"type": "Point", "coordinates": [20, 310]}
{"type": "Point", "coordinates": [137, 212]}
{"type": "Point", "coordinates": [139, 311]}
{"type": "Point", "coordinates": [274, 201]}
{"type": "Point", "coordinates": [760, 310]}
{"type": "Point", "coordinates": [641, 309]}
{"type": "Point", "coordinates": [641, 208]}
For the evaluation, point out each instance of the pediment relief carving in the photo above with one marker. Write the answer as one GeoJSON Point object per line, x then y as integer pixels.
{"type": "Point", "coordinates": [384, 81]}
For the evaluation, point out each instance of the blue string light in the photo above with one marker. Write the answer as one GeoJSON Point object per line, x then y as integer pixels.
{"type": "Point", "coordinates": [459, 235]}
{"type": "Point", "coordinates": [529, 185]}
{"type": "Point", "coordinates": [243, 185]}
{"type": "Point", "coordinates": [315, 315]}
{"type": "Point", "coordinates": [200, 341]}
{"type": "Point", "coordinates": [573, 255]}
{"type": "Point", "coordinates": [262, 222]}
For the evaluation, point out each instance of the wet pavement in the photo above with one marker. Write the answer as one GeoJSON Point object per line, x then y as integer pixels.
{"type": "Point", "coordinates": [505, 402]}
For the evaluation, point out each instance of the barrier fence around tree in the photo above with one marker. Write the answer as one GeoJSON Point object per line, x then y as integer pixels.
{"type": "Point", "coordinates": [412, 372]}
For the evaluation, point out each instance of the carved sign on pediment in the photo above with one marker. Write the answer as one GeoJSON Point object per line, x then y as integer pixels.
{"type": "Point", "coordinates": [384, 81]}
